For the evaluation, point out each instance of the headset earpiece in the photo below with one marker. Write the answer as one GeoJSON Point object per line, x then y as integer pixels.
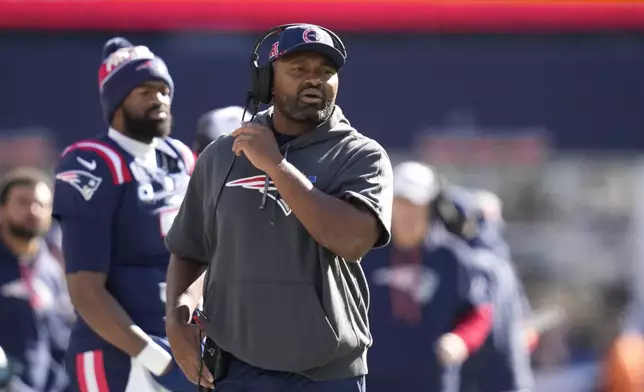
{"type": "Point", "coordinates": [445, 211]}
{"type": "Point", "coordinates": [455, 219]}
{"type": "Point", "coordinates": [261, 81]}
{"type": "Point", "coordinates": [265, 83]}
{"type": "Point", "coordinates": [261, 75]}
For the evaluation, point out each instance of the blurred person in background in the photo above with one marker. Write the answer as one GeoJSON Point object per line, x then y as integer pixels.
{"type": "Point", "coordinates": [35, 311]}
{"type": "Point", "coordinates": [491, 236]}
{"type": "Point", "coordinates": [430, 307]}
{"type": "Point", "coordinates": [503, 362]}
{"type": "Point", "coordinates": [116, 197]}
{"type": "Point", "coordinates": [216, 123]}
{"type": "Point", "coordinates": [445, 294]}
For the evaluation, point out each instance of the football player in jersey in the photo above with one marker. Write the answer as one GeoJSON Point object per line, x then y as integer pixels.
{"type": "Point", "coordinates": [116, 196]}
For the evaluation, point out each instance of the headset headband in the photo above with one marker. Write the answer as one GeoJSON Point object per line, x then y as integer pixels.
{"type": "Point", "coordinates": [337, 42]}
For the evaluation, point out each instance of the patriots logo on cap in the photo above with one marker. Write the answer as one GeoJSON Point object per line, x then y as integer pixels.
{"type": "Point", "coordinates": [274, 49]}
{"type": "Point", "coordinates": [258, 183]}
{"type": "Point", "coordinates": [312, 35]}
{"type": "Point", "coordinates": [85, 183]}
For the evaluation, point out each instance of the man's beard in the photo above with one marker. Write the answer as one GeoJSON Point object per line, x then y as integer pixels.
{"type": "Point", "coordinates": [295, 110]}
{"type": "Point", "coordinates": [146, 128]}
{"type": "Point", "coordinates": [23, 232]}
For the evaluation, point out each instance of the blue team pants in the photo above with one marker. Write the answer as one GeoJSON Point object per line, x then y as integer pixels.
{"type": "Point", "coordinates": [243, 377]}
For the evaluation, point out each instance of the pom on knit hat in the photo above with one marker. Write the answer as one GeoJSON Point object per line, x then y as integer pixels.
{"type": "Point", "coordinates": [115, 44]}
{"type": "Point", "coordinates": [124, 68]}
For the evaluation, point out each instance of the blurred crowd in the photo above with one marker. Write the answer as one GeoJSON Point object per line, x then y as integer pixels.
{"type": "Point", "coordinates": [567, 228]}
{"type": "Point", "coordinates": [581, 319]}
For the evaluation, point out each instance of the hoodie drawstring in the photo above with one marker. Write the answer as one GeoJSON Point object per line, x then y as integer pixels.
{"type": "Point", "coordinates": [267, 184]}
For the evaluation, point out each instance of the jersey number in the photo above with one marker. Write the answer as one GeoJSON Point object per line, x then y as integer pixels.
{"type": "Point", "coordinates": [166, 218]}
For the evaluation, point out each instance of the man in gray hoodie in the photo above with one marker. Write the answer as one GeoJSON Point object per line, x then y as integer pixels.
{"type": "Point", "coordinates": [281, 212]}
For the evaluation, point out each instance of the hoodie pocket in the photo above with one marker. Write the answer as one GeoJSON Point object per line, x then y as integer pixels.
{"type": "Point", "coordinates": [274, 326]}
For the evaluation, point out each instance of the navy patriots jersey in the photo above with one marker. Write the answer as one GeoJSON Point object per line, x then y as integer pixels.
{"type": "Point", "coordinates": [417, 296]}
{"type": "Point", "coordinates": [114, 212]}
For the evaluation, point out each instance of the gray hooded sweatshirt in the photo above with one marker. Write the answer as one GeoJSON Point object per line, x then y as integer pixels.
{"type": "Point", "coordinates": [274, 297]}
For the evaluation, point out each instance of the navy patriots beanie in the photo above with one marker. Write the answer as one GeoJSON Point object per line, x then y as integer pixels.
{"type": "Point", "coordinates": [124, 68]}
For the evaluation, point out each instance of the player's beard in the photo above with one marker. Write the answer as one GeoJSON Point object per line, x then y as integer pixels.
{"type": "Point", "coordinates": [146, 128]}
{"type": "Point", "coordinates": [297, 111]}
{"type": "Point", "coordinates": [22, 232]}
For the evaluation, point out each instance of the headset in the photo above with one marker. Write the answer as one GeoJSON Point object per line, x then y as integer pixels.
{"type": "Point", "coordinates": [456, 219]}
{"type": "Point", "coordinates": [262, 75]}
{"type": "Point", "coordinates": [459, 220]}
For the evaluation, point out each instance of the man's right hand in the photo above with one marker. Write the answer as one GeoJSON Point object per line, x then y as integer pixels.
{"type": "Point", "coordinates": [185, 344]}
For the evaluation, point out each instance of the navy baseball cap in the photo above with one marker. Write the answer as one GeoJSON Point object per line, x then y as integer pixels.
{"type": "Point", "coordinates": [306, 38]}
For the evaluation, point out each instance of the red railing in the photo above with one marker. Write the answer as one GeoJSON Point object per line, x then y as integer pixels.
{"type": "Point", "coordinates": [345, 15]}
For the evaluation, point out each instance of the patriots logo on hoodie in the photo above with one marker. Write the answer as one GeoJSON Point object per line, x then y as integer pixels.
{"type": "Point", "coordinates": [259, 184]}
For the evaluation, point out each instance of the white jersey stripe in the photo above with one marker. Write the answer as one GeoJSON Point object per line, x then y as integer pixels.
{"type": "Point", "coordinates": [186, 153]}
{"type": "Point", "coordinates": [89, 372]}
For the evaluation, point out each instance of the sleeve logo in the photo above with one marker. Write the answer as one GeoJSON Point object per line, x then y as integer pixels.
{"type": "Point", "coordinates": [89, 165]}
{"type": "Point", "coordinates": [85, 183]}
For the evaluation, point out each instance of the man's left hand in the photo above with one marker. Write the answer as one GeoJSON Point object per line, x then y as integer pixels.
{"type": "Point", "coordinates": [259, 145]}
